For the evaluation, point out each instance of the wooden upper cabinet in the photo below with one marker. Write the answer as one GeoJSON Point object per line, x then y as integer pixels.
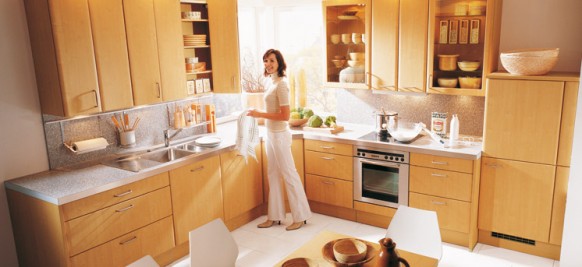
{"type": "Point", "coordinates": [413, 35]}
{"type": "Point", "coordinates": [223, 24]}
{"type": "Point", "coordinates": [522, 120]}
{"type": "Point", "coordinates": [567, 124]}
{"type": "Point", "coordinates": [108, 28]}
{"type": "Point", "coordinates": [384, 46]}
{"type": "Point", "coordinates": [62, 47]}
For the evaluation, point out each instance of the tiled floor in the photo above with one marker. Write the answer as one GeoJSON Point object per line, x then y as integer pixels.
{"type": "Point", "coordinates": [265, 247]}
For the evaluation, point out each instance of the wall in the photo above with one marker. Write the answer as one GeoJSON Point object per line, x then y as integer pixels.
{"type": "Point", "coordinates": [22, 145]}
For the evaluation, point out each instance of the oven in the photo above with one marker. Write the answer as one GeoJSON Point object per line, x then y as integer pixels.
{"type": "Point", "coordinates": [381, 176]}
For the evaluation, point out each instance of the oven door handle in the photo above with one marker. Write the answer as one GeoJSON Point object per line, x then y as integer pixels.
{"type": "Point", "coordinates": [381, 163]}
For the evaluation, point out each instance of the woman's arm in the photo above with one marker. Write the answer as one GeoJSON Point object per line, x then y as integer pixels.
{"type": "Point", "coordinates": [283, 115]}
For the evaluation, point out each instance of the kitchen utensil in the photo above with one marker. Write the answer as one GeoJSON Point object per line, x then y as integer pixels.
{"type": "Point", "coordinates": [448, 62]}
{"type": "Point", "coordinates": [447, 82]}
{"type": "Point", "coordinates": [469, 65]}
{"type": "Point", "coordinates": [208, 141]}
{"type": "Point", "coordinates": [127, 139]}
{"type": "Point", "coordinates": [470, 82]}
{"type": "Point", "coordinates": [349, 250]}
{"type": "Point", "coordinates": [335, 38]}
{"type": "Point", "coordinates": [530, 61]}
{"type": "Point", "coordinates": [116, 123]}
{"type": "Point", "coordinates": [383, 120]}
{"type": "Point", "coordinates": [358, 56]}
{"type": "Point", "coordinates": [355, 63]}
{"type": "Point", "coordinates": [328, 255]}
{"type": "Point", "coordinates": [405, 131]}
{"type": "Point", "coordinates": [432, 135]}
{"type": "Point", "coordinates": [297, 122]}
{"type": "Point", "coordinates": [346, 38]}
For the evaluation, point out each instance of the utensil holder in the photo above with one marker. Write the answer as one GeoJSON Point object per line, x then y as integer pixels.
{"type": "Point", "coordinates": [127, 139]}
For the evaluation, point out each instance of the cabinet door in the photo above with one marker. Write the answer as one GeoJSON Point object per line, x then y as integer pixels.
{"type": "Point", "coordinates": [140, 25]}
{"type": "Point", "coordinates": [384, 44]}
{"type": "Point", "coordinates": [108, 28]}
{"type": "Point", "coordinates": [329, 165]}
{"type": "Point", "coordinates": [298, 158]}
{"type": "Point", "coordinates": [329, 191]}
{"type": "Point", "coordinates": [75, 56]}
{"type": "Point", "coordinates": [170, 49]}
{"type": "Point", "coordinates": [567, 124]}
{"type": "Point", "coordinates": [516, 198]}
{"type": "Point", "coordinates": [452, 214]}
{"type": "Point", "coordinates": [413, 34]}
{"type": "Point", "coordinates": [522, 120]}
{"type": "Point", "coordinates": [559, 206]}
{"type": "Point", "coordinates": [196, 196]}
{"type": "Point", "coordinates": [242, 183]}
{"type": "Point", "coordinates": [223, 24]}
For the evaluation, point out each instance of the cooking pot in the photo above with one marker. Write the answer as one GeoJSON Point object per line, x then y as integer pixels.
{"type": "Point", "coordinates": [385, 120]}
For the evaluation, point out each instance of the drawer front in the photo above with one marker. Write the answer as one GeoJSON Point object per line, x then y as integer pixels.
{"type": "Point", "coordinates": [443, 163]}
{"type": "Point", "coordinates": [329, 147]}
{"type": "Point", "coordinates": [330, 191]}
{"type": "Point", "coordinates": [448, 184]}
{"type": "Point", "coordinates": [330, 165]}
{"type": "Point", "coordinates": [452, 214]}
{"type": "Point", "coordinates": [110, 197]}
{"type": "Point", "coordinates": [103, 225]}
{"type": "Point", "coordinates": [153, 239]}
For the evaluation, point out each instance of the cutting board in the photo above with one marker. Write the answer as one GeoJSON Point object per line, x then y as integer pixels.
{"type": "Point", "coordinates": [333, 130]}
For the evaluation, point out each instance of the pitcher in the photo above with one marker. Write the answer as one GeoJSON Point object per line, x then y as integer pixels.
{"type": "Point", "coordinates": [388, 257]}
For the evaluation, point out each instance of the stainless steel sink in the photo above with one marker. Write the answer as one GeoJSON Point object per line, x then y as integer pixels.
{"type": "Point", "coordinates": [193, 148]}
{"type": "Point", "coordinates": [166, 155]}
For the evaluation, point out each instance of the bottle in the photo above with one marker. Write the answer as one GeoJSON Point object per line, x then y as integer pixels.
{"type": "Point", "coordinates": [387, 256]}
{"type": "Point", "coordinates": [454, 132]}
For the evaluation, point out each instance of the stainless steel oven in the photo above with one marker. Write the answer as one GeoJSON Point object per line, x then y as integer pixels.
{"type": "Point", "coordinates": [381, 176]}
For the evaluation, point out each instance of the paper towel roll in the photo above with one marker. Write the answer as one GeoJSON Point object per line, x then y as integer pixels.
{"type": "Point", "coordinates": [85, 146]}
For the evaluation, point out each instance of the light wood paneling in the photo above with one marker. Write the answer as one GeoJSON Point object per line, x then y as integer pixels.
{"type": "Point", "coordinates": [105, 199]}
{"type": "Point", "coordinates": [540, 249]}
{"type": "Point", "coordinates": [452, 214]}
{"type": "Point", "coordinates": [522, 120]}
{"type": "Point", "coordinates": [435, 182]}
{"type": "Point", "coordinates": [223, 24]}
{"type": "Point", "coordinates": [516, 198]}
{"type": "Point", "coordinates": [384, 55]}
{"type": "Point", "coordinates": [443, 163]}
{"type": "Point", "coordinates": [170, 49]}
{"type": "Point", "coordinates": [108, 30]}
{"type": "Point", "coordinates": [559, 205]}
{"type": "Point", "coordinates": [331, 210]}
{"type": "Point", "coordinates": [196, 196]}
{"type": "Point", "coordinates": [330, 191]}
{"type": "Point", "coordinates": [567, 124]}
{"type": "Point", "coordinates": [329, 147]}
{"type": "Point", "coordinates": [371, 214]}
{"type": "Point", "coordinates": [413, 42]}
{"type": "Point", "coordinates": [101, 226]}
{"type": "Point", "coordinates": [242, 183]}
{"type": "Point", "coordinates": [142, 42]}
{"type": "Point", "coordinates": [153, 239]}
{"type": "Point", "coordinates": [329, 165]}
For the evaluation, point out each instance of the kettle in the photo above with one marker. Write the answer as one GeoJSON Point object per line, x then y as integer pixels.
{"type": "Point", "coordinates": [385, 119]}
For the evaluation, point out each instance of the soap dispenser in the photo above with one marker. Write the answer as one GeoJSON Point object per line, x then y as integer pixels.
{"type": "Point", "coordinates": [454, 132]}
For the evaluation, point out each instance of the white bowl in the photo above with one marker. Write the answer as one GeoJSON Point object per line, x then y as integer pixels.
{"type": "Point", "coordinates": [406, 131]}
{"type": "Point", "coordinates": [530, 61]}
{"type": "Point", "coordinates": [355, 63]}
{"type": "Point", "coordinates": [470, 82]}
{"type": "Point", "coordinates": [357, 56]}
{"type": "Point", "coordinates": [469, 65]}
{"type": "Point", "coordinates": [447, 82]}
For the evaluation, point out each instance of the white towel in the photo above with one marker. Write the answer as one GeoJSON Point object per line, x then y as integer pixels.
{"type": "Point", "coordinates": [247, 136]}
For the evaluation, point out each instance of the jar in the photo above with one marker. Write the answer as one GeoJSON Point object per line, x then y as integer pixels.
{"type": "Point", "coordinates": [191, 63]}
{"type": "Point", "coordinates": [448, 62]}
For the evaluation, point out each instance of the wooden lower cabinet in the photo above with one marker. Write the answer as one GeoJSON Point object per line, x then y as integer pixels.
{"type": "Point", "coordinates": [196, 196]}
{"type": "Point", "coordinates": [330, 165]}
{"type": "Point", "coordinates": [559, 205]}
{"type": "Point", "coordinates": [152, 239]}
{"type": "Point", "coordinates": [330, 191]}
{"type": "Point", "coordinates": [452, 214]}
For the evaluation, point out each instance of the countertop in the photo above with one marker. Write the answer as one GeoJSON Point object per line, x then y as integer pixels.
{"type": "Point", "coordinates": [65, 185]}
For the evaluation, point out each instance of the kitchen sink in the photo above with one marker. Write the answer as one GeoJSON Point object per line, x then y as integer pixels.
{"type": "Point", "coordinates": [192, 147]}
{"type": "Point", "coordinates": [166, 155]}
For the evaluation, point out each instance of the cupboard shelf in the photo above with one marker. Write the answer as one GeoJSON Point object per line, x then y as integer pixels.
{"type": "Point", "coordinates": [196, 46]}
{"type": "Point", "coordinates": [194, 20]}
{"type": "Point", "coordinates": [199, 72]}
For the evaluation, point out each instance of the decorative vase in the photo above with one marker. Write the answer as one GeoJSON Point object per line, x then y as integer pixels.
{"type": "Point", "coordinates": [388, 257]}
{"type": "Point", "coordinates": [255, 101]}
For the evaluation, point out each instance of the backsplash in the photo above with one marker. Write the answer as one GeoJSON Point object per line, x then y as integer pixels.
{"type": "Point", "coordinates": [359, 106]}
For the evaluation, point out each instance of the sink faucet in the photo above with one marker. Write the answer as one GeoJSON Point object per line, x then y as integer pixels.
{"type": "Point", "coordinates": [168, 137]}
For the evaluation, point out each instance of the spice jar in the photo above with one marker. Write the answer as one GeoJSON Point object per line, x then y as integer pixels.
{"type": "Point", "coordinates": [190, 63]}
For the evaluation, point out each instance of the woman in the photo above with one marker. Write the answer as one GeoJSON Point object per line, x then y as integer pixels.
{"type": "Point", "coordinates": [281, 165]}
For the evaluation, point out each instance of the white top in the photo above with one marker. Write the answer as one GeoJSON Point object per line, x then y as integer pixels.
{"type": "Point", "coordinates": [277, 95]}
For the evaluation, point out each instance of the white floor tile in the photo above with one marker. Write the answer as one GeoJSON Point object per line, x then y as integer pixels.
{"type": "Point", "coordinates": [517, 259]}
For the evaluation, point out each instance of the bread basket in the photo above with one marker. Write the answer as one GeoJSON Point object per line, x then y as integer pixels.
{"type": "Point", "coordinates": [530, 61]}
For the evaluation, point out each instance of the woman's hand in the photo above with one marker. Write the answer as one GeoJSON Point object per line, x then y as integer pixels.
{"type": "Point", "coordinates": [253, 113]}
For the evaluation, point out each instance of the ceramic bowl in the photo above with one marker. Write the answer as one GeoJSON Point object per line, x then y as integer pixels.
{"type": "Point", "coordinates": [349, 250]}
{"type": "Point", "coordinates": [299, 262]}
{"type": "Point", "coordinates": [338, 62]}
{"type": "Point", "coordinates": [405, 131]}
{"type": "Point", "coordinates": [530, 61]}
{"type": "Point", "coordinates": [470, 82]}
{"type": "Point", "coordinates": [357, 56]}
{"type": "Point", "coordinates": [355, 63]}
{"type": "Point", "coordinates": [447, 82]}
{"type": "Point", "coordinates": [469, 65]}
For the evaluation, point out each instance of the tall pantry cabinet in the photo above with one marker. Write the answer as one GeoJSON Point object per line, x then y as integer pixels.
{"type": "Point", "coordinates": [526, 156]}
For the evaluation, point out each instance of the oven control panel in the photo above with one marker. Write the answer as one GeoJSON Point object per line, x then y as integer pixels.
{"type": "Point", "coordinates": [381, 154]}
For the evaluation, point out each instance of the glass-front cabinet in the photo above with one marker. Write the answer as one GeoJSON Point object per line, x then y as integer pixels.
{"type": "Point", "coordinates": [347, 57]}
{"type": "Point", "coordinates": [463, 46]}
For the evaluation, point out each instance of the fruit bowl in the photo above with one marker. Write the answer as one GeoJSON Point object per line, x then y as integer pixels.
{"type": "Point", "coordinates": [297, 122]}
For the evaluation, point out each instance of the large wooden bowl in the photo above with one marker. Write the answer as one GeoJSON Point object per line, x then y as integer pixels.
{"type": "Point", "coordinates": [297, 122]}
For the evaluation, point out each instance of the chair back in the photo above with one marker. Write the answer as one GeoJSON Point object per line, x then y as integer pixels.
{"type": "Point", "coordinates": [146, 261]}
{"type": "Point", "coordinates": [416, 231]}
{"type": "Point", "coordinates": [212, 245]}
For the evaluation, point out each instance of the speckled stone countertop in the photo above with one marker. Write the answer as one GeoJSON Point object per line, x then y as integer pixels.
{"type": "Point", "coordinates": [69, 184]}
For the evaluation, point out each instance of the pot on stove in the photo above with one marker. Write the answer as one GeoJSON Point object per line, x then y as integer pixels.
{"type": "Point", "coordinates": [385, 119]}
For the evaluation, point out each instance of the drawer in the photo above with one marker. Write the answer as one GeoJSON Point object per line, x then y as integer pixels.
{"type": "Point", "coordinates": [448, 184]}
{"type": "Point", "coordinates": [329, 147]}
{"type": "Point", "coordinates": [443, 163]}
{"type": "Point", "coordinates": [103, 225]}
{"type": "Point", "coordinates": [110, 197]}
{"type": "Point", "coordinates": [330, 165]}
{"type": "Point", "coordinates": [452, 214]}
{"type": "Point", "coordinates": [153, 239]}
{"type": "Point", "coordinates": [330, 191]}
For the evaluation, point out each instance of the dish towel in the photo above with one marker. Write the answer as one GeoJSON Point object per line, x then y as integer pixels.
{"type": "Point", "coordinates": [247, 136]}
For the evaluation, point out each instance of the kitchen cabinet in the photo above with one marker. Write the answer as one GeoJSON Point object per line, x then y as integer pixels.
{"type": "Point", "coordinates": [447, 186]}
{"type": "Point", "coordinates": [559, 205]}
{"type": "Point", "coordinates": [76, 233]}
{"type": "Point", "coordinates": [469, 29]}
{"type": "Point", "coordinates": [298, 158]}
{"type": "Point", "coordinates": [197, 196]}
{"type": "Point", "coordinates": [242, 183]}
{"type": "Point", "coordinates": [347, 33]}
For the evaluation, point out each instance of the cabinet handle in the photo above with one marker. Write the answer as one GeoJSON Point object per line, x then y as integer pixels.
{"type": "Point", "coordinates": [124, 193]}
{"type": "Point", "coordinates": [438, 175]}
{"type": "Point", "coordinates": [326, 158]}
{"type": "Point", "coordinates": [124, 209]}
{"type": "Point", "coordinates": [492, 165]}
{"type": "Point", "coordinates": [326, 147]}
{"type": "Point", "coordinates": [159, 90]}
{"type": "Point", "coordinates": [439, 162]}
{"type": "Point", "coordinates": [197, 169]}
{"type": "Point", "coordinates": [131, 239]}
{"type": "Point", "coordinates": [328, 182]}
{"type": "Point", "coordinates": [439, 203]}
{"type": "Point", "coordinates": [96, 99]}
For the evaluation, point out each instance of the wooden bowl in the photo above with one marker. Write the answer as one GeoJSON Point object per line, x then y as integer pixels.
{"type": "Point", "coordinates": [470, 82]}
{"type": "Point", "coordinates": [297, 122]}
{"type": "Point", "coordinates": [328, 255]}
{"type": "Point", "coordinates": [349, 250]}
{"type": "Point", "coordinates": [300, 262]}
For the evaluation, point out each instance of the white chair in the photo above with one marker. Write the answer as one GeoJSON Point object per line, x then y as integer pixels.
{"type": "Point", "coordinates": [146, 261]}
{"type": "Point", "coordinates": [212, 245]}
{"type": "Point", "coordinates": [416, 231]}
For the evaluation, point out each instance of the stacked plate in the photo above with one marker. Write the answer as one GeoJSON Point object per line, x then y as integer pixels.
{"type": "Point", "coordinates": [208, 141]}
{"type": "Point", "coordinates": [194, 39]}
